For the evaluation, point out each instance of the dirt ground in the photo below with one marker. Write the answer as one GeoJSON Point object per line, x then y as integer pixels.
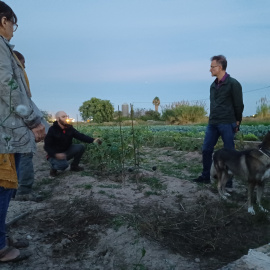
{"type": "Point", "coordinates": [145, 219]}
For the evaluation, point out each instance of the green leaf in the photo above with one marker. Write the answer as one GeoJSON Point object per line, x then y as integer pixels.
{"type": "Point", "coordinates": [143, 252]}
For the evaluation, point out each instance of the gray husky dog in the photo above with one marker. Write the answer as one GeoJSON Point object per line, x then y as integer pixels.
{"type": "Point", "coordinates": [253, 166]}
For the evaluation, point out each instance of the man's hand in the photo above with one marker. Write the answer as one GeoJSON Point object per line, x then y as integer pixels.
{"type": "Point", "coordinates": [237, 126]}
{"type": "Point", "coordinates": [97, 140]}
{"type": "Point", "coordinates": [39, 132]}
{"type": "Point", "coordinates": [60, 156]}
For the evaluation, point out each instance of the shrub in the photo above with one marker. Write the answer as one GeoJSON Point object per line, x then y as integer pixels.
{"type": "Point", "coordinates": [263, 110]}
{"type": "Point", "coordinates": [151, 115]}
{"type": "Point", "coordinates": [250, 137]}
{"type": "Point", "coordinates": [184, 112]}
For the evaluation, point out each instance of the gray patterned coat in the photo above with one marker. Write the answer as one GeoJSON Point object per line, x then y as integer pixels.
{"type": "Point", "coordinates": [18, 115]}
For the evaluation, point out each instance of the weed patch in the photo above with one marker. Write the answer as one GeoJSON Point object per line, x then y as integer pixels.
{"type": "Point", "coordinates": [209, 230]}
{"type": "Point", "coordinates": [110, 186]}
{"type": "Point", "coordinates": [118, 222]}
{"type": "Point", "coordinates": [149, 193]}
{"type": "Point", "coordinates": [154, 183]}
{"type": "Point", "coordinates": [56, 221]}
{"type": "Point", "coordinates": [85, 186]}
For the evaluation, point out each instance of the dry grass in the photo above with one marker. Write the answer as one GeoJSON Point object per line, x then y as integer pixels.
{"type": "Point", "coordinates": [216, 230]}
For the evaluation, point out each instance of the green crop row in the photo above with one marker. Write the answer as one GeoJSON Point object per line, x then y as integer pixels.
{"type": "Point", "coordinates": [123, 146]}
{"type": "Point", "coordinates": [199, 131]}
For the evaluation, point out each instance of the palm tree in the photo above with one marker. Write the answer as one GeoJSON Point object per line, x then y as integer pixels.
{"type": "Point", "coordinates": [156, 102]}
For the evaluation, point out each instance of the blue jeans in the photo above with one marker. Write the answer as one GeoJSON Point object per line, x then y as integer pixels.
{"type": "Point", "coordinates": [17, 163]}
{"type": "Point", "coordinates": [213, 132]}
{"type": "Point", "coordinates": [75, 151]}
{"type": "Point", "coordinates": [5, 196]}
{"type": "Point", "coordinates": [26, 174]}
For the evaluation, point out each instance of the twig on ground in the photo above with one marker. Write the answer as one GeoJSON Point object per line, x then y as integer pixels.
{"type": "Point", "coordinates": [17, 218]}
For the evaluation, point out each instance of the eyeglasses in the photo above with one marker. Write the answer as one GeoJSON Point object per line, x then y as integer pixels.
{"type": "Point", "coordinates": [15, 26]}
{"type": "Point", "coordinates": [211, 67]}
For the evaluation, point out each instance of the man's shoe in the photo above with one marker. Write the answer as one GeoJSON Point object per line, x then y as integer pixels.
{"type": "Point", "coordinates": [76, 168]}
{"type": "Point", "coordinates": [53, 173]}
{"type": "Point", "coordinates": [202, 180]}
{"type": "Point", "coordinates": [29, 197]}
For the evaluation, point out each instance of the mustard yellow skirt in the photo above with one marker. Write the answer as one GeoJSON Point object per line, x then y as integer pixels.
{"type": "Point", "coordinates": [8, 175]}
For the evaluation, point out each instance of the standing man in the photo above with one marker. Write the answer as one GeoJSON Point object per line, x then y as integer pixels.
{"type": "Point", "coordinates": [226, 108]}
{"type": "Point", "coordinates": [26, 176]}
{"type": "Point", "coordinates": [58, 145]}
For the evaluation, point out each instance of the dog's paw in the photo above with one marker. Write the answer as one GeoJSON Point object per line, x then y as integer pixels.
{"type": "Point", "coordinates": [223, 196]}
{"type": "Point", "coordinates": [262, 209]}
{"type": "Point", "coordinates": [251, 210]}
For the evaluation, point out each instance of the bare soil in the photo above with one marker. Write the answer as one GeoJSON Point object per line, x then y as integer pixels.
{"type": "Point", "coordinates": [154, 218]}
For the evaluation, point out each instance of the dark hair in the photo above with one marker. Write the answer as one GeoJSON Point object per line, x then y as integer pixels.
{"type": "Point", "coordinates": [221, 60]}
{"type": "Point", "coordinates": [19, 55]}
{"type": "Point", "coordinates": [6, 11]}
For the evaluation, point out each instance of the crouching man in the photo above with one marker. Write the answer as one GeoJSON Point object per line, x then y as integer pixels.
{"type": "Point", "coordinates": [59, 147]}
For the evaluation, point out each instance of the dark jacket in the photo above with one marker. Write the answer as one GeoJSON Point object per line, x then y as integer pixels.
{"type": "Point", "coordinates": [226, 102]}
{"type": "Point", "coordinates": [58, 140]}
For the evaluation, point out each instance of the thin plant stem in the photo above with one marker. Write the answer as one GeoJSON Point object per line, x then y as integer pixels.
{"type": "Point", "coordinates": [133, 136]}
{"type": "Point", "coordinates": [122, 147]}
{"type": "Point", "coordinates": [134, 143]}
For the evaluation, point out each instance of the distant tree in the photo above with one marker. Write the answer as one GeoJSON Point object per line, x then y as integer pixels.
{"type": "Point", "coordinates": [156, 102]}
{"type": "Point", "coordinates": [151, 115]}
{"type": "Point", "coordinates": [116, 114]}
{"type": "Point", "coordinates": [47, 116]}
{"type": "Point", "coordinates": [100, 110]}
{"type": "Point", "coordinates": [138, 112]}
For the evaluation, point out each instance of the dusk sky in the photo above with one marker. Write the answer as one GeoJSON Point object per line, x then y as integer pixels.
{"type": "Point", "coordinates": [131, 51]}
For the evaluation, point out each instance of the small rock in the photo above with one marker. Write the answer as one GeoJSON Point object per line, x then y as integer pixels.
{"type": "Point", "coordinates": [29, 237]}
{"type": "Point", "coordinates": [58, 247]}
{"type": "Point", "coordinates": [197, 260]}
{"type": "Point", "coordinates": [65, 241]}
